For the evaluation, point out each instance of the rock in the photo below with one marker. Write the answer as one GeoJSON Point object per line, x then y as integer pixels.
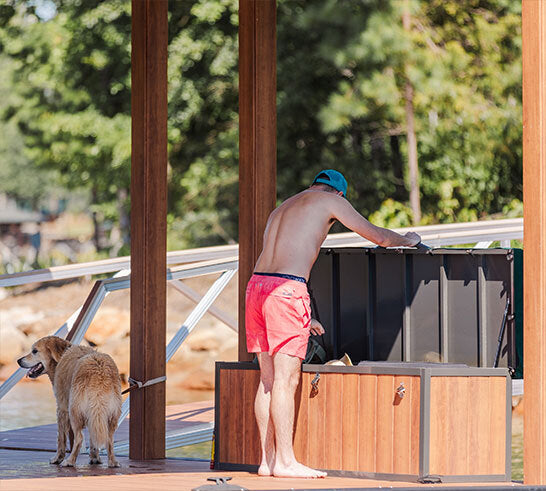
{"type": "Point", "coordinates": [42, 327]}
{"type": "Point", "coordinates": [199, 379]}
{"type": "Point", "coordinates": [190, 374]}
{"type": "Point", "coordinates": [118, 349]}
{"type": "Point", "coordinates": [17, 316]}
{"type": "Point", "coordinates": [13, 344]}
{"type": "Point", "coordinates": [212, 339]}
{"type": "Point", "coordinates": [204, 344]}
{"type": "Point", "coordinates": [7, 370]}
{"type": "Point", "coordinates": [109, 324]}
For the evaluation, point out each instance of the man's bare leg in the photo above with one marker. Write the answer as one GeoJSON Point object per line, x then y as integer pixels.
{"type": "Point", "coordinates": [262, 406]}
{"type": "Point", "coordinates": [286, 377]}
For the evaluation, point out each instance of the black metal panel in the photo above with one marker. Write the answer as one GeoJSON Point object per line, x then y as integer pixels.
{"type": "Point", "coordinates": [462, 291]}
{"type": "Point", "coordinates": [409, 305]}
{"type": "Point", "coordinates": [321, 288]}
{"type": "Point", "coordinates": [389, 287]}
{"type": "Point", "coordinates": [425, 308]}
{"type": "Point", "coordinates": [353, 305]}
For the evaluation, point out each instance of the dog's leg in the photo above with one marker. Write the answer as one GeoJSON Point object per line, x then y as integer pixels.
{"type": "Point", "coordinates": [71, 437]}
{"type": "Point", "coordinates": [62, 426]}
{"type": "Point", "coordinates": [78, 440]}
{"type": "Point", "coordinates": [94, 457]}
{"type": "Point", "coordinates": [77, 422]}
{"type": "Point", "coordinates": [112, 425]}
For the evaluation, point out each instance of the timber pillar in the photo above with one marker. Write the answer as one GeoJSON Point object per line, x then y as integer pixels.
{"type": "Point", "coordinates": [148, 226]}
{"type": "Point", "coordinates": [534, 197]}
{"type": "Point", "coordinates": [257, 137]}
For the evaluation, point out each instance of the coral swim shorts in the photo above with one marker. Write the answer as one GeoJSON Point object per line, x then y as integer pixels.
{"type": "Point", "coordinates": [278, 314]}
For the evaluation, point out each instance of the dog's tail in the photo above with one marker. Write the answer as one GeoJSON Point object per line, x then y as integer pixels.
{"type": "Point", "coordinates": [97, 424]}
{"type": "Point", "coordinates": [97, 397]}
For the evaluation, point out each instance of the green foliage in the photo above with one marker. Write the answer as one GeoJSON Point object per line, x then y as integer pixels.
{"type": "Point", "coordinates": [71, 78]}
{"type": "Point", "coordinates": [392, 214]}
{"type": "Point", "coordinates": [342, 69]}
{"type": "Point", "coordinates": [19, 178]}
{"type": "Point", "coordinates": [203, 122]}
{"type": "Point", "coordinates": [463, 59]}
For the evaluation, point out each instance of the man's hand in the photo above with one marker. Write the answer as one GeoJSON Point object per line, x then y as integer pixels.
{"type": "Point", "coordinates": [413, 238]}
{"type": "Point", "coordinates": [316, 327]}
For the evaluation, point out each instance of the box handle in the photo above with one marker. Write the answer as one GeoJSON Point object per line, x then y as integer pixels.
{"type": "Point", "coordinates": [314, 385]}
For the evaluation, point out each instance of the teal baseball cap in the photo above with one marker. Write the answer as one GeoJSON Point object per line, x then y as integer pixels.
{"type": "Point", "coordinates": [332, 178]}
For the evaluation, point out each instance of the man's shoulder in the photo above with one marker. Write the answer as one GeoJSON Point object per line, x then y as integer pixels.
{"type": "Point", "coordinates": [318, 195]}
{"type": "Point", "coordinates": [329, 202]}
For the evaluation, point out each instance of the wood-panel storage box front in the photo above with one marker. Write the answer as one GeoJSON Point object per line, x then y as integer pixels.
{"type": "Point", "coordinates": [402, 421]}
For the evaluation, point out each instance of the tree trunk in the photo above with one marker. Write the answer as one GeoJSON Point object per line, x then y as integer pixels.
{"type": "Point", "coordinates": [124, 221]}
{"type": "Point", "coordinates": [397, 160]}
{"type": "Point", "coordinates": [415, 200]}
{"type": "Point", "coordinates": [96, 223]}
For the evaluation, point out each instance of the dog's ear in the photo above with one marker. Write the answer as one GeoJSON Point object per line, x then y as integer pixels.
{"type": "Point", "coordinates": [57, 348]}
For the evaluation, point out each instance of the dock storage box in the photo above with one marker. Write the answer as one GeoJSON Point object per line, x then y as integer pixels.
{"type": "Point", "coordinates": [446, 305]}
{"type": "Point", "coordinates": [399, 421]}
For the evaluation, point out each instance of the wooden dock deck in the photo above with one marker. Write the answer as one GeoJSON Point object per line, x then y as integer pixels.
{"type": "Point", "coordinates": [25, 454]}
{"type": "Point", "coordinates": [30, 471]}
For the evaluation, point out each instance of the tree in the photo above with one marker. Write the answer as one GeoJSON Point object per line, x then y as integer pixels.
{"type": "Point", "coordinates": [72, 78]}
{"type": "Point", "coordinates": [463, 63]}
{"type": "Point", "coordinates": [343, 73]}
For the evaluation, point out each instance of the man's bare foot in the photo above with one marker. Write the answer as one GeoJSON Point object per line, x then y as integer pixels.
{"type": "Point", "coordinates": [264, 470]}
{"type": "Point", "coordinates": [266, 467]}
{"type": "Point", "coordinates": [296, 470]}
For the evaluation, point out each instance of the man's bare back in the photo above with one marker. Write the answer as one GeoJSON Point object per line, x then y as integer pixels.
{"type": "Point", "coordinates": [297, 228]}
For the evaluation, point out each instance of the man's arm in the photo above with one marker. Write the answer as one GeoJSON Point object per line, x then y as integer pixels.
{"type": "Point", "coordinates": [348, 216]}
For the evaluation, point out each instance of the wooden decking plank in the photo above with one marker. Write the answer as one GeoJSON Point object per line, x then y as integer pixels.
{"type": "Point", "coordinates": [44, 438]}
{"type": "Point", "coordinates": [30, 471]}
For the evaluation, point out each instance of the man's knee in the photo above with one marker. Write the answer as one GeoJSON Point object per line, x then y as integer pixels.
{"type": "Point", "coordinates": [295, 378]}
{"type": "Point", "coordinates": [287, 379]}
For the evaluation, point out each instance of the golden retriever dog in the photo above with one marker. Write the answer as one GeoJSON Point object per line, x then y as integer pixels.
{"type": "Point", "coordinates": [88, 392]}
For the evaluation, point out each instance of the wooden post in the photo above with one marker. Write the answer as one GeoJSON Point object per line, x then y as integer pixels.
{"type": "Point", "coordinates": [257, 137]}
{"type": "Point", "coordinates": [534, 196]}
{"type": "Point", "coordinates": [148, 226]}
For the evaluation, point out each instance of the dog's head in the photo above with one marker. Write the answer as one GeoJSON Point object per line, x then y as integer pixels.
{"type": "Point", "coordinates": [44, 356]}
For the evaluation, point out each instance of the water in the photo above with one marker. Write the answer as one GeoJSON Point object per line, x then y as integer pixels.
{"type": "Point", "coordinates": [28, 404]}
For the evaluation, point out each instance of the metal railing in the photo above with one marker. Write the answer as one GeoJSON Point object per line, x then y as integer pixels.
{"type": "Point", "coordinates": [76, 327]}
{"type": "Point", "coordinates": [432, 235]}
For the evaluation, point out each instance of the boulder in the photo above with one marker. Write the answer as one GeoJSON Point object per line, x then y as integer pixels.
{"type": "Point", "coordinates": [17, 316]}
{"type": "Point", "coordinates": [13, 344]}
{"type": "Point", "coordinates": [109, 324]}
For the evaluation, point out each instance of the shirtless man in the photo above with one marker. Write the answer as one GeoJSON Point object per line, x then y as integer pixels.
{"type": "Point", "coordinates": [278, 311]}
